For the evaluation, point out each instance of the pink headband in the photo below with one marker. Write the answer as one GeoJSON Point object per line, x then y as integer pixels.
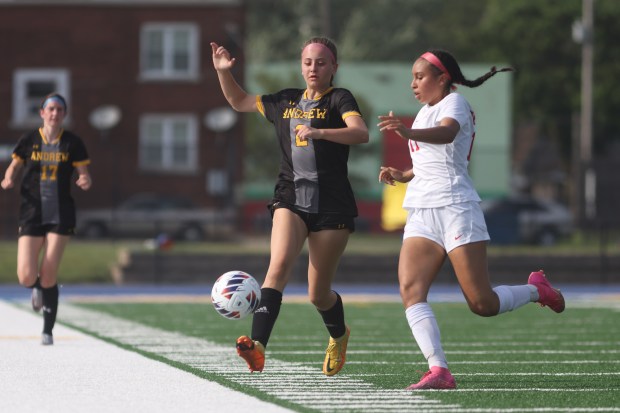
{"type": "Point", "coordinates": [434, 60]}
{"type": "Point", "coordinates": [331, 54]}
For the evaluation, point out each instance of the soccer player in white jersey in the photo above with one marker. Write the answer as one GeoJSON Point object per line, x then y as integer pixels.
{"type": "Point", "coordinates": [444, 214]}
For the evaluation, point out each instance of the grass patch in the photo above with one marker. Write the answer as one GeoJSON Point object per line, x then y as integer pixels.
{"type": "Point", "coordinates": [90, 261]}
{"type": "Point", "coordinates": [529, 359]}
{"type": "Point", "coordinates": [83, 262]}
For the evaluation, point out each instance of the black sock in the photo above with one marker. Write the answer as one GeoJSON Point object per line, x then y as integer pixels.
{"type": "Point", "coordinates": [334, 318]}
{"type": "Point", "coordinates": [266, 314]}
{"type": "Point", "coordinates": [50, 308]}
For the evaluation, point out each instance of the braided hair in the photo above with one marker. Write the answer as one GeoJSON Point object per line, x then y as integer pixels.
{"type": "Point", "coordinates": [454, 70]}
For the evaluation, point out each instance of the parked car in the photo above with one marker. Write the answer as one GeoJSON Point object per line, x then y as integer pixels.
{"type": "Point", "coordinates": [526, 220]}
{"type": "Point", "coordinates": [151, 215]}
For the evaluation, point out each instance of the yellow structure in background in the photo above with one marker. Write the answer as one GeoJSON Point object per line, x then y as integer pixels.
{"type": "Point", "coordinates": [393, 216]}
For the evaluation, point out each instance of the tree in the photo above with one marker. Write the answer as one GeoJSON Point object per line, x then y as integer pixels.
{"type": "Point", "coordinates": [533, 36]}
{"type": "Point", "coordinates": [537, 42]}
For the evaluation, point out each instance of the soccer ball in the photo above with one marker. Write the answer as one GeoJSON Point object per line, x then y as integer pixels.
{"type": "Point", "coordinates": [235, 295]}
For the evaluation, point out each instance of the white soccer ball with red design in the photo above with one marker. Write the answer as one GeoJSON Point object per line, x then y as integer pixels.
{"type": "Point", "coordinates": [235, 295]}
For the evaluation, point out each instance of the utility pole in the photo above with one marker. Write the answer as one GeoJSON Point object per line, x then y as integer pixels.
{"type": "Point", "coordinates": [325, 16]}
{"type": "Point", "coordinates": [583, 32]}
{"type": "Point", "coordinates": [587, 47]}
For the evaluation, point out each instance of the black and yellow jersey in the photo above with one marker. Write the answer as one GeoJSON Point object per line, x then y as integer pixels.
{"type": "Point", "coordinates": [47, 176]}
{"type": "Point", "coordinates": [313, 173]}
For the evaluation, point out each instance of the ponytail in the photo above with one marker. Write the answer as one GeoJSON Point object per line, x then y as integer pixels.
{"type": "Point", "coordinates": [453, 70]}
{"type": "Point", "coordinates": [483, 78]}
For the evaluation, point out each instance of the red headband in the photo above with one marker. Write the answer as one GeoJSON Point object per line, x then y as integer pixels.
{"type": "Point", "coordinates": [434, 60]}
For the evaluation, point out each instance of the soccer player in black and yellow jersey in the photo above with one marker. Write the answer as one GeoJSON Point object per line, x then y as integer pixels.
{"type": "Point", "coordinates": [48, 157]}
{"type": "Point", "coordinates": [313, 199]}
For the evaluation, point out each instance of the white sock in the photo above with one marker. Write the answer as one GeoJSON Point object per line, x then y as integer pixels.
{"type": "Point", "coordinates": [426, 333]}
{"type": "Point", "coordinates": [512, 297]}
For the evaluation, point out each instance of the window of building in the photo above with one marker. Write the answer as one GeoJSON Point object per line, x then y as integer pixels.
{"type": "Point", "coordinates": [169, 51]}
{"type": "Point", "coordinates": [30, 86]}
{"type": "Point", "coordinates": [168, 143]}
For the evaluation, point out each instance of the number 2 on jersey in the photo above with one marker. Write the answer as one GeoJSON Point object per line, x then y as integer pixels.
{"type": "Point", "coordinates": [298, 141]}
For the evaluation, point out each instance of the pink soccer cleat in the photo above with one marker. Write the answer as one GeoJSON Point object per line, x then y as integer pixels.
{"type": "Point", "coordinates": [438, 378]}
{"type": "Point", "coordinates": [547, 295]}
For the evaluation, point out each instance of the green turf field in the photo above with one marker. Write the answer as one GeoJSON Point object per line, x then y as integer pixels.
{"type": "Point", "coordinates": [530, 360]}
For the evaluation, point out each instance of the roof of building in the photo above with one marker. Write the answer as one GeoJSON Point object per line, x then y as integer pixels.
{"type": "Point", "coordinates": [116, 3]}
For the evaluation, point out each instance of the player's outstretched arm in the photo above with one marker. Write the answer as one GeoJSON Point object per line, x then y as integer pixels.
{"type": "Point", "coordinates": [390, 122]}
{"type": "Point", "coordinates": [11, 172]}
{"type": "Point", "coordinates": [355, 133]}
{"type": "Point", "coordinates": [389, 175]}
{"type": "Point", "coordinates": [444, 133]}
{"type": "Point", "coordinates": [84, 181]}
{"type": "Point", "coordinates": [238, 98]}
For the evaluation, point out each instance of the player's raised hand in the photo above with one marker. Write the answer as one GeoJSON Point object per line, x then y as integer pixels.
{"type": "Point", "coordinates": [391, 122]}
{"type": "Point", "coordinates": [221, 57]}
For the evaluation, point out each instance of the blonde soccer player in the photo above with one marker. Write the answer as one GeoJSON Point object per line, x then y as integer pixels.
{"type": "Point", "coordinates": [313, 200]}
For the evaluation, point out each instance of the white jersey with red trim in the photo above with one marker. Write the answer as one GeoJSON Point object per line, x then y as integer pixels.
{"type": "Point", "coordinates": [440, 170]}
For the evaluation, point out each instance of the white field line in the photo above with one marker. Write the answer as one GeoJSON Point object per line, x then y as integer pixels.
{"type": "Point", "coordinates": [447, 345]}
{"type": "Point", "coordinates": [573, 301]}
{"type": "Point", "coordinates": [532, 362]}
{"type": "Point", "coordinates": [533, 374]}
{"type": "Point", "coordinates": [535, 410]}
{"type": "Point", "coordinates": [80, 373]}
{"type": "Point", "coordinates": [576, 373]}
{"type": "Point", "coordinates": [533, 343]}
{"type": "Point", "coordinates": [299, 383]}
{"type": "Point", "coordinates": [470, 352]}
{"type": "Point", "coordinates": [610, 303]}
{"type": "Point", "coordinates": [314, 391]}
{"type": "Point", "coordinates": [533, 389]}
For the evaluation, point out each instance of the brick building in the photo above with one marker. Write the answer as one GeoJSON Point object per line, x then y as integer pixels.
{"type": "Point", "coordinates": [141, 91]}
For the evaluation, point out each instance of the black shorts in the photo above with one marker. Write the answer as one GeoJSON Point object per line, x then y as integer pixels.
{"type": "Point", "coordinates": [38, 230]}
{"type": "Point", "coordinates": [317, 222]}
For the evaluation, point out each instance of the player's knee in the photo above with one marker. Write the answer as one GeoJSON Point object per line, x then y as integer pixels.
{"type": "Point", "coordinates": [483, 308]}
{"type": "Point", "coordinates": [322, 300]}
{"type": "Point", "coordinates": [411, 292]}
{"type": "Point", "coordinates": [279, 271]}
{"type": "Point", "coordinates": [406, 285]}
{"type": "Point", "coordinates": [26, 279]}
{"type": "Point", "coordinates": [318, 300]}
